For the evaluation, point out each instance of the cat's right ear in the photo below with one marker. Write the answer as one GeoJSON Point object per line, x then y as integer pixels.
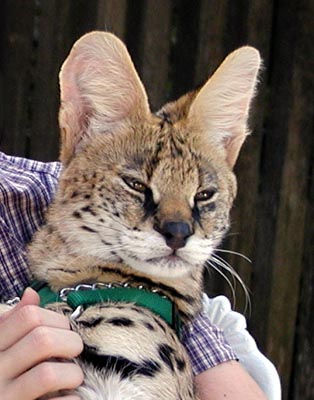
{"type": "Point", "coordinates": [100, 91]}
{"type": "Point", "coordinates": [221, 107]}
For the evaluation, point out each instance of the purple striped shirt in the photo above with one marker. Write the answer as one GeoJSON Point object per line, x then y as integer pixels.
{"type": "Point", "coordinates": [26, 189]}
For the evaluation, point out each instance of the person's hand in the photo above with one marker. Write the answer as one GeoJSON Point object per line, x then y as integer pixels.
{"type": "Point", "coordinates": [30, 337]}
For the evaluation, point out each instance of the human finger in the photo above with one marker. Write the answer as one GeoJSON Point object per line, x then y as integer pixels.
{"type": "Point", "coordinates": [67, 398]}
{"type": "Point", "coordinates": [24, 319]}
{"type": "Point", "coordinates": [39, 345]}
{"type": "Point", "coordinates": [52, 376]}
{"type": "Point", "coordinates": [29, 297]}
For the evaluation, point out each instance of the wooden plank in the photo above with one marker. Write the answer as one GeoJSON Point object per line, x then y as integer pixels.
{"type": "Point", "coordinates": [2, 46]}
{"type": "Point", "coordinates": [302, 382]}
{"type": "Point", "coordinates": [133, 30]}
{"type": "Point", "coordinates": [43, 130]}
{"type": "Point", "coordinates": [272, 158]}
{"type": "Point", "coordinates": [281, 213]}
{"type": "Point", "coordinates": [303, 378]}
{"type": "Point", "coordinates": [186, 15]}
{"type": "Point", "coordinates": [16, 47]}
{"type": "Point", "coordinates": [111, 16]}
{"type": "Point", "coordinates": [244, 213]}
{"type": "Point", "coordinates": [295, 208]}
{"type": "Point", "coordinates": [154, 46]}
{"type": "Point", "coordinates": [210, 48]}
{"type": "Point", "coordinates": [58, 25]}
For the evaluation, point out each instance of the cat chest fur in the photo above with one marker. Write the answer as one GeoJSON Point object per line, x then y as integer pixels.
{"type": "Point", "coordinates": [142, 358]}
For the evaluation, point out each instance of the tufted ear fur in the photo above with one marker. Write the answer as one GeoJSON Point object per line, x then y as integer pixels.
{"type": "Point", "coordinates": [100, 91]}
{"type": "Point", "coordinates": [221, 106]}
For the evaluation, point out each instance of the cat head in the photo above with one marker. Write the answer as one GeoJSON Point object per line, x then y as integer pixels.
{"type": "Point", "coordinates": [152, 190]}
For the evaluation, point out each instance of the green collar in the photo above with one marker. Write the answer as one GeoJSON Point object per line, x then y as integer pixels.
{"type": "Point", "coordinates": [159, 305]}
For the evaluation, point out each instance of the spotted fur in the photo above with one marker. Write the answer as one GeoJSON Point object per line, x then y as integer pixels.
{"type": "Point", "coordinates": [143, 198]}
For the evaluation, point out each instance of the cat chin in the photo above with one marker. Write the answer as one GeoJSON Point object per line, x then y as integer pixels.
{"type": "Point", "coordinates": [162, 267]}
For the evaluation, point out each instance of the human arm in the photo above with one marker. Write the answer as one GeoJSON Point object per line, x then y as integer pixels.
{"type": "Point", "coordinates": [219, 329]}
{"type": "Point", "coordinates": [30, 338]}
{"type": "Point", "coordinates": [218, 374]}
{"type": "Point", "coordinates": [227, 380]}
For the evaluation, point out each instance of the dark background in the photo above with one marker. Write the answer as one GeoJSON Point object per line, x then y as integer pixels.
{"type": "Point", "coordinates": [175, 46]}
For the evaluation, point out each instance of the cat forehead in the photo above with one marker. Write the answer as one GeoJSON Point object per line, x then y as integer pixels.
{"type": "Point", "coordinates": [146, 150]}
{"type": "Point", "coordinates": [163, 145]}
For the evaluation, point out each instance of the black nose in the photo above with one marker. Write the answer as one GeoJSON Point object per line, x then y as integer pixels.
{"type": "Point", "coordinates": [176, 233]}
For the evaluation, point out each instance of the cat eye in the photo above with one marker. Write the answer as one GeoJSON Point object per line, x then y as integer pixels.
{"type": "Point", "coordinates": [205, 195]}
{"type": "Point", "coordinates": [135, 185]}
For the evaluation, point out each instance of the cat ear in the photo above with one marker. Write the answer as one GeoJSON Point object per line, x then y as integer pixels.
{"type": "Point", "coordinates": [100, 91]}
{"type": "Point", "coordinates": [221, 107]}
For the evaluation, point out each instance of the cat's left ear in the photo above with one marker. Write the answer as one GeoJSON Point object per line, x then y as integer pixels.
{"type": "Point", "coordinates": [221, 107]}
{"type": "Point", "coordinates": [101, 91]}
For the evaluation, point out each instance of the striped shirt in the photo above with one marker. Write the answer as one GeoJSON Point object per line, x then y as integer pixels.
{"type": "Point", "coordinates": [26, 189]}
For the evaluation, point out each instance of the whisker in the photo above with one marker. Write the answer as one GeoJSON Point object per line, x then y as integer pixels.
{"type": "Point", "coordinates": [225, 265]}
{"type": "Point", "coordinates": [235, 253]}
{"type": "Point", "coordinates": [231, 234]}
{"type": "Point", "coordinates": [209, 264]}
{"type": "Point", "coordinates": [220, 262]}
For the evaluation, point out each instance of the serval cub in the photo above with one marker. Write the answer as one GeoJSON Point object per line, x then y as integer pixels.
{"type": "Point", "coordinates": [142, 202]}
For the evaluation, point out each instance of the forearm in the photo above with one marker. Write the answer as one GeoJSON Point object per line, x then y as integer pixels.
{"type": "Point", "coordinates": [227, 380]}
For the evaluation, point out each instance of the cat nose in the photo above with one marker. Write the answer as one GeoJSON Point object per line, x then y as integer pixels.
{"type": "Point", "coordinates": [176, 233]}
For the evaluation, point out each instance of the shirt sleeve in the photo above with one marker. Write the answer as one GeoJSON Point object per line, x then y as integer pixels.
{"type": "Point", "coordinates": [26, 189]}
{"type": "Point", "coordinates": [205, 344]}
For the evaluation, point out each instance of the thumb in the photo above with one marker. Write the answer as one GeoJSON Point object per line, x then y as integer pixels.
{"type": "Point", "coordinates": [30, 297]}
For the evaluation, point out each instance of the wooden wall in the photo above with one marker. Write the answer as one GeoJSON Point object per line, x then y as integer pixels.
{"type": "Point", "coordinates": [176, 45]}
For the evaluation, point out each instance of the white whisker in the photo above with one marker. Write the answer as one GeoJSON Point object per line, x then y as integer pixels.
{"type": "Point", "coordinates": [235, 253]}
{"type": "Point", "coordinates": [211, 265]}
{"type": "Point", "coordinates": [221, 263]}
